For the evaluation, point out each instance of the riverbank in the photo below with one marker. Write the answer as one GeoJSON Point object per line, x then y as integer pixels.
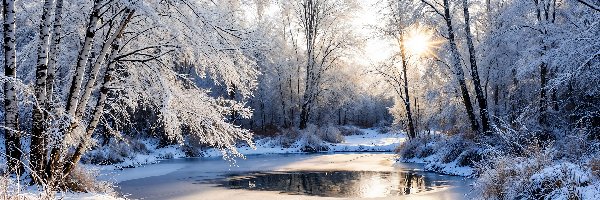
{"type": "Point", "coordinates": [363, 140]}
{"type": "Point", "coordinates": [442, 154]}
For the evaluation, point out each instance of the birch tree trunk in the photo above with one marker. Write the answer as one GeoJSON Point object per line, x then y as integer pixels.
{"type": "Point", "coordinates": [74, 90]}
{"type": "Point", "coordinates": [458, 71]}
{"type": "Point", "coordinates": [96, 67]}
{"type": "Point", "coordinates": [53, 54]}
{"type": "Point", "coordinates": [99, 108]}
{"type": "Point", "coordinates": [483, 110]}
{"type": "Point", "coordinates": [38, 139]}
{"type": "Point", "coordinates": [53, 168]}
{"type": "Point", "coordinates": [11, 105]}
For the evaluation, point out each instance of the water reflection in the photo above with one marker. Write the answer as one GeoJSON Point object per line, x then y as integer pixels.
{"type": "Point", "coordinates": [334, 183]}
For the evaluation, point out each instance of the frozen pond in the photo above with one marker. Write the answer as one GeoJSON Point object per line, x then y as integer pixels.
{"type": "Point", "coordinates": [289, 176]}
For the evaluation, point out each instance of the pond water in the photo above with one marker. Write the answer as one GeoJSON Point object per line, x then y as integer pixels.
{"type": "Point", "coordinates": [362, 184]}
{"type": "Point", "coordinates": [289, 176]}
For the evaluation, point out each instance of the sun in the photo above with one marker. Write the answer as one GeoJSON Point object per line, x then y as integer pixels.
{"type": "Point", "coordinates": [419, 42]}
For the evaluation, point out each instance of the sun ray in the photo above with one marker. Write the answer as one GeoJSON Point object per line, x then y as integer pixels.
{"type": "Point", "coordinates": [420, 41]}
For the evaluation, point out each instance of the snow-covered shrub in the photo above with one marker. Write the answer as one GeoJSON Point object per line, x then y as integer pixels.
{"type": "Point", "coordinates": [311, 140]}
{"type": "Point", "coordinates": [84, 180]}
{"type": "Point", "coordinates": [454, 155]}
{"type": "Point", "coordinates": [330, 134]}
{"type": "Point", "coordinates": [420, 147]}
{"type": "Point", "coordinates": [540, 175]}
{"type": "Point", "coordinates": [115, 152]}
{"type": "Point", "coordinates": [387, 129]}
{"type": "Point", "coordinates": [452, 147]}
{"type": "Point", "coordinates": [12, 189]}
{"type": "Point", "coordinates": [350, 130]}
{"type": "Point", "coordinates": [469, 157]}
{"type": "Point", "coordinates": [9, 188]}
{"type": "Point", "coordinates": [408, 149]}
{"type": "Point", "coordinates": [559, 181]}
{"type": "Point", "coordinates": [287, 137]}
{"type": "Point", "coordinates": [594, 165]}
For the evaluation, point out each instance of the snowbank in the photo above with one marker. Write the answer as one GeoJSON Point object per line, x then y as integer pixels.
{"type": "Point", "coordinates": [366, 140]}
{"type": "Point", "coordinates": [12, 189]}
{"type": "Point", "coordinates": [442, 154]}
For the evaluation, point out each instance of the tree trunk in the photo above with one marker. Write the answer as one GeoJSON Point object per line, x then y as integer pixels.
{"type": "Point", "coordinates": [310, 21]}
{"type": "Point", "coordinates": [82, 59]}
{"type": "Point", "coordinates": [411, 126]}
{"type": "Point", "coordinates": [12, 134]}
{"type": "Point", "coordinates": [38, 139]}
{"type": "Point", "coordinates": [483, 110]}
{"type": "Point", "coordinates": [304, 116]}
{"type": "Point", "coordinates": [543, 99]}
{"type": "Point", "coordinates": [54, 165]}
{"type": "Point", "coordinates": [460, 76]}
{"type": "Point", "coordinates": [89, 86]}
{"type": "Point", "coordinates": [53, 55]}
{"type": "Point", "coordinates": [99, 108]}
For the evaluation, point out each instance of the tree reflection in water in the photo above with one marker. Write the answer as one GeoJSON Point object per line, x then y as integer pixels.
{"type": "Point", "coordinates": [334, 183]}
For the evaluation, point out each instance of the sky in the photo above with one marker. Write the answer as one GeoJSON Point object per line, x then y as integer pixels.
{"type": "Point", "coordinates": [376, 49]}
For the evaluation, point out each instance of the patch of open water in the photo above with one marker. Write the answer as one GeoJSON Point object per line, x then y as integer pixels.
{"type": "Point", "coordinates": [363, 184]}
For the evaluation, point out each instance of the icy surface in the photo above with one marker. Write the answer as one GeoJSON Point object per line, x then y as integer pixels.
{"type": "Point", "coordinates": [187, 182]}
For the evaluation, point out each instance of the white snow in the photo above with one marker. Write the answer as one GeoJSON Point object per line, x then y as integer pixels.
{"type": "Point", "coordinates": [432, 164]}
{"type": "Point", "coordinates": [15, 190]}
{"type": "Point", "coordinates": [371, 141]}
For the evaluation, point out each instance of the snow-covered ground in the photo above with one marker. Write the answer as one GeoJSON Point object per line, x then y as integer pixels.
{"type": "Point", "coordinates": [432, 164]}
{"type": "Point", "coordinates": [13, 190]}
{"type": "Point", "coordinates": [371, 141]}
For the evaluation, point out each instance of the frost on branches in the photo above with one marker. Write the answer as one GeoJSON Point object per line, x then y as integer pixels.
{"type": "Point", "coordinates": [98, 62]}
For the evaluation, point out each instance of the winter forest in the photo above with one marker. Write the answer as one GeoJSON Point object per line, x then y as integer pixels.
{"type": "Point", "coordinates": [300, 99]}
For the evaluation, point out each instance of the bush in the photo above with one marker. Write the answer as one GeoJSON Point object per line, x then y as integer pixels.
{"type": "Point", "coordinates": [350, 130]}
{"type": "Point", "coordinates": [115, 152]}
{"type": "Point", "coordinates": [539, 176]}
{"type": "Point", "coordinates": [287, 137]}
{"type": "Point", "coordinates": [422, 146]}
{"type": "Point", "coordinates": [594, 165]}
{"type": "Point", "coordinates": [330, 134]}
{"type": "Point", "coordinates": [81, 180]}
{"type": "Point", "coordinates": [469, 158]}
{"type": "Point", "coordinates": [311, 139]}
{"type": "Point", "coordinates": [451, 148]}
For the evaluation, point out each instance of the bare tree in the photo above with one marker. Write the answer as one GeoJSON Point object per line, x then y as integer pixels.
{"type": "Point", "coordinates": [481, 99]}
{"type": "Point", "coordinates": [323, 42]}
{"type": "Point", "coordinates": [455, 59]}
